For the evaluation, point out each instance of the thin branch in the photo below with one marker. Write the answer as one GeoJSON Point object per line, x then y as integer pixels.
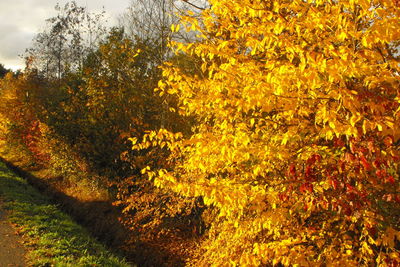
{"type": "Point", "coordinates": [193, 5]}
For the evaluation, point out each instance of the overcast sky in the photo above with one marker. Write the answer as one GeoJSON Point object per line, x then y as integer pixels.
{"type": "Point", "coordinates": [20, 20]}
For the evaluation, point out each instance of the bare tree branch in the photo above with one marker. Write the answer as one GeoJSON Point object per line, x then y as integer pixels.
{"type": "Point", "coordinates": [193, 5]}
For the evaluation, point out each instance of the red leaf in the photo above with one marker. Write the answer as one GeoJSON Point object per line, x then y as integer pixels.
{"type": "Point", "coordinates": [306, 187]}
{"type": "Point", "coordinates": [334, 183]}
{"type": "Point", "coordinates": [292, 170]}
{"type": "Point", "coordinates": [390, 179]}
{"type": "Point", "coordinates": [365, 163]}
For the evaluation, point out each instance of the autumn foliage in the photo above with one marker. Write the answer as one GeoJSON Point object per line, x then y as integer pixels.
{"type": "Point", "coordinates": [297, 140]}
{"type": "Point", "coordinates": [70, 120]}
{"type": "Point", "coordinates": [272, 137]}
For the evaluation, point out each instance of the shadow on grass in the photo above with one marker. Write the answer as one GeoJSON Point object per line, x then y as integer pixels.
{"type": "Point", "coordinates": [100, 218]}
{"type": "Point", "coordinates": [54, 237]}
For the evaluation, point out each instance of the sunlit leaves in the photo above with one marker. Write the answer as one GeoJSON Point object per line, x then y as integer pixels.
{"type": "Point", "coordinates": [295, 102]}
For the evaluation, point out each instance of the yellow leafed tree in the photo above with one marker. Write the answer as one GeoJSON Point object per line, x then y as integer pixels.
{"type": "Point", "coordinates": [297, 137]}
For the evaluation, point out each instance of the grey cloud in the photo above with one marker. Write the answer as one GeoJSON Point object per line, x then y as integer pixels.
{"type": "Point", "coordinates": [22, 19]}
{"type": "Point", "coordinates": [13, 41]}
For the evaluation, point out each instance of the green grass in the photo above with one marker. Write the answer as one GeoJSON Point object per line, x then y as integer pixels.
{"type": "Point", "coordinates": [53, 238]}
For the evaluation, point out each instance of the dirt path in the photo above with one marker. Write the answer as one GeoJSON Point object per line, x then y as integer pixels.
{"type": "Point", "coordinates": [12, 252]}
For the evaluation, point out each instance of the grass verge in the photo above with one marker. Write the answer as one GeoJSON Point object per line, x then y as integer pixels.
{"type": "Point", "coordinates": [53, 238]}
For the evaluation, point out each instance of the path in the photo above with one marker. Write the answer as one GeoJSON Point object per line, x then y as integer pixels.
{"type": "Point", "coordinates": [12, 252]}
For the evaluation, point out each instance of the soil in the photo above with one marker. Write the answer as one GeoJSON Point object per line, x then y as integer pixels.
{"type": "Point", "coordinates": [12, 252]}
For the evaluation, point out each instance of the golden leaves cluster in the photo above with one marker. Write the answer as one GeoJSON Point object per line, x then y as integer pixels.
{"type": "Point", "coordinates": [287, 91]}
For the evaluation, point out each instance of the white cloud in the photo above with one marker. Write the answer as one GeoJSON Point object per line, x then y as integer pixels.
{"type": "Point", "coordinates": [22, 19]}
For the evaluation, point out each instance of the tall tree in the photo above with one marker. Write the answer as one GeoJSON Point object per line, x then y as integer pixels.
{"type": "Point", "coordinates": [151, 21]}
{"type": "Point", "coordinates": [68, 38]}
{"type": "Point", "coordinates": [297, 142]}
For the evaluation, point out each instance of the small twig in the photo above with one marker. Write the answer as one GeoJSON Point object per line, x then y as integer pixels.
{"type": "Point", "coordinates": [193, 5]}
